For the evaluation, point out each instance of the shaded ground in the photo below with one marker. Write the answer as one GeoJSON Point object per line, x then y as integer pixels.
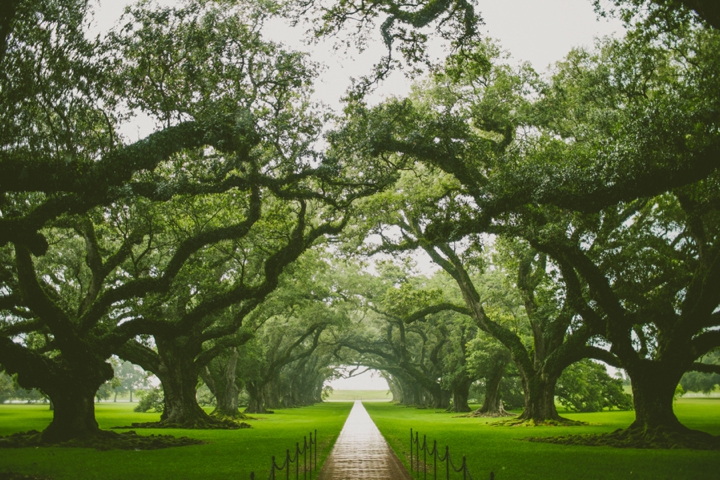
{"type": "Point", "coordinates": [103, 441]}
{"type": "Point", "coordinates": [218, 425]}
{"type": "Point", "coordinates": [20, 476]}
{"type": "Point", "coordinates": [625, 438]}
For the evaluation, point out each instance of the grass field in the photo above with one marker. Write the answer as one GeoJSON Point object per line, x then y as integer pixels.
{"type": "Point", "coordinates": [500, 449]}
{"type": "Point", "coordinates": [233, 454]}
{"type": "Point", "coordinates": [227, 453]}
{"type": "Point", "coordinates": [364, 395]}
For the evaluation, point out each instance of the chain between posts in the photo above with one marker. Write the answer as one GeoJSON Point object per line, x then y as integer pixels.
{"type": "Point", "coordinates": [309, 449]}
{"type": "Point", "coordinates": [434, 453]}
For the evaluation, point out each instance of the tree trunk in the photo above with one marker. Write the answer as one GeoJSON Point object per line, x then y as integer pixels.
{"type": "Point", "coordinates": [396, 389]}
{"type": "Point", "coordinates": [221, 381]}
{"type": "Point", "coordinates": [73, 416]}
{"type": "Point", "coordinates": [540, 399]}
{"type": "Point", "coordinates": [441, 398]}
{"type": "Point", "coordinates": [256, 403]}
{"type": "Point", "coordinates": [72, 397]}
{"type": "Point", "coordinates": [653, 387]}
{"type": "Point", "coordinates": [179, 377]}
{"type": "Point", "coordinates": [492, 405]}
{"type": "Point", "coordinates": [131, 392]}
{"type": "Point", "coordinates": [460, 394]}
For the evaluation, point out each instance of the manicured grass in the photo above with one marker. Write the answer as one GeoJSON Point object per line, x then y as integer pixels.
{"type": "Point", "coordinates": [228, 453]}
{"type": "Point", "coordinates": [364, 395]}
{"type": "Point", "coordinates": [500, 449]}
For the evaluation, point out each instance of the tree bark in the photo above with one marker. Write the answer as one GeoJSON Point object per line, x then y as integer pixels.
{"type": "Point", "coordinates": [491, 405]}
{"type": "Point", "coordinates": [223, 385]}
{"type": "Point", "coordinates": [70, 384]}
{"type": "Point", "coordinates": [653, 387]}
{"type": "Point", "coordinates": [256, 402]}
{"type": "Point", "coordinates": [179, 377]}
{"type": "Point", "coordinates": [540, 398]}
{"type": "Point", "coordinates": [73, 416]}
{"type": "Point", "coordinates": [460, 394]}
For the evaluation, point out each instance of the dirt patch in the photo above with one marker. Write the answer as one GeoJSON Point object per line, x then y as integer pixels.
{"type": "Point", "coordinates": [515, 422]}
{"type": "Point", "coordinates": [660, 439]}
{"type": "Point", "coordinates": [216, 425]}
{"type": "Point", "coordinates": [21, 476]}
{"type": "Point", "coordinates": [101, 441]}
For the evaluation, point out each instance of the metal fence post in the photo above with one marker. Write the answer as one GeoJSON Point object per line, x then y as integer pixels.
{"type": "Point", "coordinates": [297, 461]}
{"type": "Point", "coordinates": [272, 469]}
{"type": "Point", "coordinates": [411, 449]}
{"type": "Point", "coordinates": [287, 464]}
{"type": "Point", "coordinates": [435, 459]}
{"type": "Point", "coordinates": [305, 445]}
{"type": "Point", "coordinates": [425, 456]}
{"type": "Point", "coordinates": [492, 475]}
{"type": "Point", "coordinates": [316, 445]}
{"type": "Point", "coordinates": [447, 462]}
{"type": "Point", "coordinates": [417, 452]}
{"type": "Point", "coordinates": [464, 469]}
{"type": "Point", "coordinates": [252, 475]}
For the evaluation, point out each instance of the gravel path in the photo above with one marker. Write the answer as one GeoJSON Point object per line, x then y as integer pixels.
{"type": "Point", "coordinates": [361, 453]}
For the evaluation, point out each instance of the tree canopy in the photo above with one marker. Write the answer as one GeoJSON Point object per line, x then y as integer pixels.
{"type": "Point", "coordinates": [571, 216]}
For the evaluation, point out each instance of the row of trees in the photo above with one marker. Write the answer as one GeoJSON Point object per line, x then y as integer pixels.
{"type": "Point", "coordinates": [157, 250]}
{"type": "Point", "coordinates": [601, 181]}
{"type": "Point", "coordinates": [597, 186]}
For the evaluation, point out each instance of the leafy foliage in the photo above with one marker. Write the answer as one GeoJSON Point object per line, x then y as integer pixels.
{"type": "Point", "coordinates": [151, 401]}
{"type": "Point", "coordinates": [585, 386]}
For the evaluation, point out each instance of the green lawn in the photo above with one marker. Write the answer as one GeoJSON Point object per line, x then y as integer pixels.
{"type": "Point", "coordinates": [228, 453]}
{"type": "Point", "coordinates": [500, 449]}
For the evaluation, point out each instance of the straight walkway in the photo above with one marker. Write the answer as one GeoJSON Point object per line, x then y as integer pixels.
{"type": "Point", "coordinates": [361, 452]}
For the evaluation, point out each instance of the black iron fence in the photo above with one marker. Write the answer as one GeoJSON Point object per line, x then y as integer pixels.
{"type": "Point", "coordinates": [308, 451]}
{"type": "Point", "coordinates": [435, 457]}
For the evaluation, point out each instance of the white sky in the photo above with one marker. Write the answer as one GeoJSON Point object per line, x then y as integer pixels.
{"type": "Point", "coordinates": [538, 31]}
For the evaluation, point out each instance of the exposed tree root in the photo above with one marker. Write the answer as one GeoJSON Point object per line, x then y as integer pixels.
{"type": "Point", "coordinates": [20, 476]}
{"type": "Point", "coordinates": [523, 422]}
{"type": "Point", "coordinates": [501, 412]}
{"type": "Point", "coordinates": [204, 424]}
{"type": "Point", "coordinates": [659, 438]}
{"type": "Point", "coordinates": [477, 413]}
{"type": "Point", "coordinates": [102, 440]}
{"type": "Point", "coordinates": [231, 418]}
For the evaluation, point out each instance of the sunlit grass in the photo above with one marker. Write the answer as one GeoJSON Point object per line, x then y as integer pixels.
{"type": "Point", "coordinates": [227, 453]}
{"type": "Point", "coordinates": [502, 450]}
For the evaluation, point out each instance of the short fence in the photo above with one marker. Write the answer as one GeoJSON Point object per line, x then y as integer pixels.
{"type": "Point", "coordinates": [436, 457]}
{"type": "Point", "coordinates": [306, 451]}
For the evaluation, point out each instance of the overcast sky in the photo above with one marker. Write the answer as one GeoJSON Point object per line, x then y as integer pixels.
{"type": "Point", "coordinates": [537, 31]}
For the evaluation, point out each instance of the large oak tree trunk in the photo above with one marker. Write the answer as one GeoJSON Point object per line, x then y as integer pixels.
{"type": "Point", "coordinates": [73, 417]}
{"type": "Point", "coordinates": [73, 397]}
{"type": "Point", "coordinates": [70, 384]}
{"type": "Point", "coordinates": [460, 394]}
{"type": "Point", "coordinates": [653, 387]}
{"type": "Point", "coordinates": [491, 404]}
{"type": "Point", "coordinates": [256, 402]}
{"type": "Point", "coordinates": [223, 384]}
{"type": "Point", "coordinates": [179, 377]}
{"type": "Point", "coordinates": [540, 398]}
